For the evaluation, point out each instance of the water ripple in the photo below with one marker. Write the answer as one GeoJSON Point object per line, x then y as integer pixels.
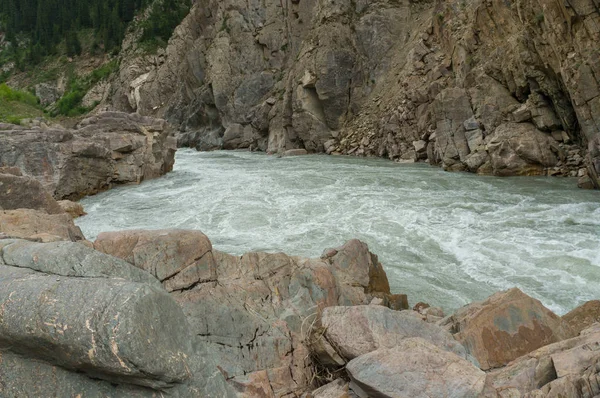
{"type": "Point", "coordinates": [444, 238]}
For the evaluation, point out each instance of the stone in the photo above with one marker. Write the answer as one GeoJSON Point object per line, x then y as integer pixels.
{"type": "Point", "coordinates": [471, 124]}
{"type": "Point", "coordinates": [416, 368]}
{"type": "Point", "coordinates": [74, 209]}
{"type": "Point", "coordinates": [520, 149]}
{"type": "Point", "coordinates": [522, 114]}
{"type": "Point", "coordinates": [358, 330]}
{"type": "Point", "coordinates": [504, 327]}
{"type": "Point", "coordinates": [20, 192]}
{"type": "Point", "coordinates": [336, 389]}
{"type": "Point", "coordinates": [70, 259]}
{"type": "Point", "coordinates": [105, 149]}
{"type": "Point", "coordinates": [571, 364]}
{"type": "Point", "coordinates": [295, 152]}
{"type": "Point", "coordinates": [47, 93]}
{"type": "Point", "coordinates": [102, 327]}
{"type": "Point", "coordinates": [29, 224]}
{"type": "Point", "coordinates": [583, 316]}
{"type": "Point", "coordinates": [252, 312]}
{"type": "Point", "coordinates": [177, 258]}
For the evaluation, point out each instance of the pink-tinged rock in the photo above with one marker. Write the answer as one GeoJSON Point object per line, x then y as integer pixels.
{"type": "Point", "coordinates": [178, 258]}
{"type": "Point", "coordinates": [39, 225]}
{"type": "Point", "coordinates": [506, 326]}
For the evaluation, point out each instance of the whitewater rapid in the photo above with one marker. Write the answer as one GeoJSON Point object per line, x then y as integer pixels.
{"type": "Point", "coordinates": [444, 238]}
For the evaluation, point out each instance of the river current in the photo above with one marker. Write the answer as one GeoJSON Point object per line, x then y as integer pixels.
{"type": "Point", "coordinates": [443, 238]}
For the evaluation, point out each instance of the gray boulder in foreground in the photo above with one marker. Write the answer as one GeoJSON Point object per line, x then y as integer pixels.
{"type": "Point", "coordinates": [109, 329]}
{"type": "Point", "coordinates": [416, 368]}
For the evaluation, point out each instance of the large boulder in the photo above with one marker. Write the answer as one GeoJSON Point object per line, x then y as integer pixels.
{"type": "Point", "coordinates": [18, 372]}
{"type": "Point", "coordinates": [254, 312]}
{"type": "Point", "coordinates": [39, 225]}
{"type": "Point", "coordinates": [70, 259]}
{"type": "Point", "coordinates": [504, 327]}
{"type": "Point", "coordinates": [358, 330]}
{"type": "Point", "coordinates": [107, 149]}
{"type": "Point", "coordinates": [21, 192]}
{"type": "Point", "coordinates": [520, 149]}
{"type": "Point", "coordinates": [569, 368]}
{"type": "Point", "coordinates": [109, 329]}
{"type": "Point", "coordinates": [583, 316]}
{"type": "Point", "coordinates": [418, 369]}
{"type": "Point", "coordinates": [178, 258]}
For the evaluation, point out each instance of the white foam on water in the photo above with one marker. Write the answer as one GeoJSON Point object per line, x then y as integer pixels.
{"type": "Point", "coordinates": [444, 238]}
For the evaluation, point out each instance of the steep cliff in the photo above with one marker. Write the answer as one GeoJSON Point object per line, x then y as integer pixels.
{"type": "Point", "coordinates": [489, 86]}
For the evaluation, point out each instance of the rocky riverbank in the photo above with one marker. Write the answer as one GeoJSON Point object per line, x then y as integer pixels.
{"type": "Point", "coordinates": [487, 86]}
{"type": "Point", "coordinates": [108, 149]}
{"type": "Point", "coordinates": [162, 313]}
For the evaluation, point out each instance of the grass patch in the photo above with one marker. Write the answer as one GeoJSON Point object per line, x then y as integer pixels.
{"type": "Point", "coordinates": [16, 105]}
{"type": "Point", "coordinates": [70, 103]}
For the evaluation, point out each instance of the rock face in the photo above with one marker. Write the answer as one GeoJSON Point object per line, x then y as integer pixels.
{"type": "Point", "coordinates": [111, 148]}
{"type": "Point", "coordinates": [19, 192]}
{"type": "Point", "coordinates": [570, 368]}
{"type": "Point", "coordinates": [254, 312]}
{"type": "Point", "coordinates": [504, 327]}
{"type": "Point", "coordinates": [492, 87]}
{"type": "Point", "coordinates": [583, 316]}
{"type": "Point", "coordinates": [416, 368]}
{"type": "Point", "coordinates": [358, 330]}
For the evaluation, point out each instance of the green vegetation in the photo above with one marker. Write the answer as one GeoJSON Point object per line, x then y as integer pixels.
{"type": "Point", "coordinates": [16, 105]}
{"type": "Point", "coordinates": [161, 22]}
{"type": "Point", "coordinates": [70, 103]}
{"type": "Point", "coordinates": [35, 28]}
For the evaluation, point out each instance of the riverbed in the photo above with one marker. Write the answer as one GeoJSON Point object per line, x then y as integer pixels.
{"type": "Point", "coordinates": [444, 238]}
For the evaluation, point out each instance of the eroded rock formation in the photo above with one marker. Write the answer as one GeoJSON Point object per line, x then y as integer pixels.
{"type": "Point", "coordinates": [104, 150]}
{"type": "Point", "coordinates": [489, 86]}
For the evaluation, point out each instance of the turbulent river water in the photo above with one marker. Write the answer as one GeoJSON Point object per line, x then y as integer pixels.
{"type": "Point", "coordinates": [444, 238]}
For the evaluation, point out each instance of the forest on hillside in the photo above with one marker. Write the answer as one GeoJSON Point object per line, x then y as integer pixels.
{"type": "Point", "coordinates": [36, 27]}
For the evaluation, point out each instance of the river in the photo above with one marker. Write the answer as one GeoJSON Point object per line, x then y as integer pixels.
{"type": "Point", "coordinates": [443, 238]}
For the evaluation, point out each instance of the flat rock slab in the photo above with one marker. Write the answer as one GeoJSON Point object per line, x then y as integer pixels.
{"type": "Point", "coordinates": [358, 330]}
{"type": "Point", "coordinates": [416, 368]}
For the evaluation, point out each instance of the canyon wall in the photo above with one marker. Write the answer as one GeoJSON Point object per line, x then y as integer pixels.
{"type": "Point", "coordinates": [502, 87]}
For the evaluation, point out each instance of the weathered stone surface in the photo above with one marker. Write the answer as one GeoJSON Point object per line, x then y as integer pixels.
{"type": "Point", "coordinates": [74, 209]}
{"type": "Point", "coordinates": [520, 149]}
{"type": "Point", "coordinates": [178, 258]}
{"type": "Point", "coordinates": [254, 312]}
{"type": "Point", "coordinates": [18, 372]}
{"type": "Point", "coordinates": [19, 192]}
{"type": "Point", "coordinates": [29, 224]}
{"type": "Point", "coordinates": [416, 368]}
{"type": "Point", "coordinates": [358, 330]}
{"type": "Point", "coordinates": [70, 259]}
{"type": "Point", "coordinates": [570, 367]}
{"type": "Point", "coordinates": [102, 327]}
{"type": "Point", "coordinates": [583, 316]}
{"type": "Point", "coordinates": [504, 327]}
{"type": "Point", "coordinates": [335, 389]}
{"type": "Point", "coordinates": [110, 148]}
